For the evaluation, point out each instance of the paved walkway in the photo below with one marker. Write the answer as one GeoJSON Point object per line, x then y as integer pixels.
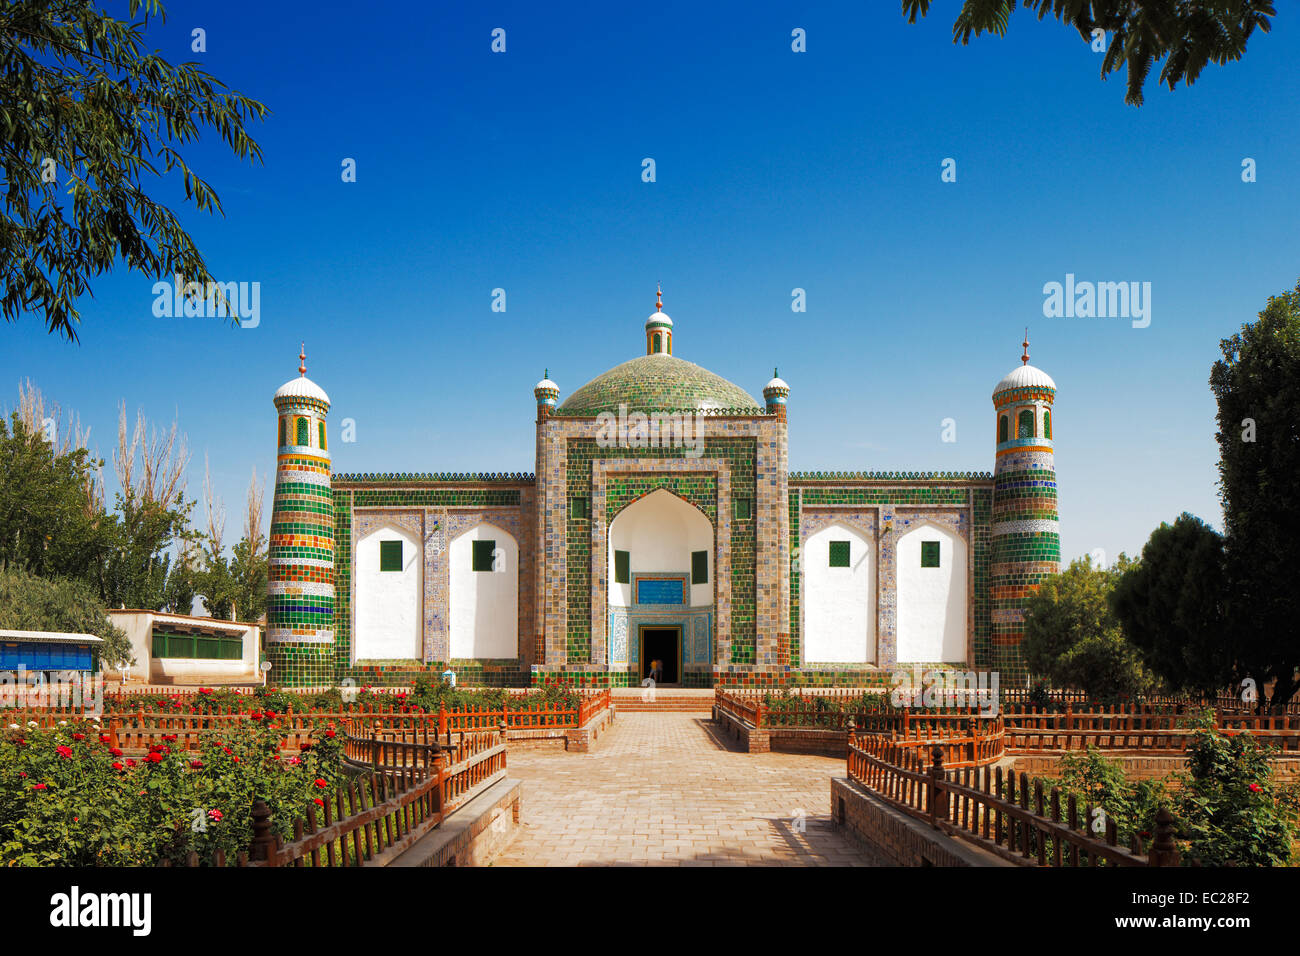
{"type": "Point", "coordinates": [665, 789]}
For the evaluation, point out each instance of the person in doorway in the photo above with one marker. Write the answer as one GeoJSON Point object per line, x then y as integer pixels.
{"type": "Point", "coordinates": [657, 671]}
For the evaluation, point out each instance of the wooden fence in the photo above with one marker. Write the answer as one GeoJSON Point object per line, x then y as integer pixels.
{"type": "Point", "coordinates": [411, 789]}
{"type": "Point", "coordinates": [993, 811]}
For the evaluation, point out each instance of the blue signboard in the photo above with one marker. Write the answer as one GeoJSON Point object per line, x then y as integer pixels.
{"type": "Point", "coordinates": [660, 591]}
{"type": "Point", "coordinates": [44, 657]}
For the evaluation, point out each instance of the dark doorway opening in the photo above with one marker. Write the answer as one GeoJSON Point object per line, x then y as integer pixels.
{"type": "Point", "coordinates": [662, 644]}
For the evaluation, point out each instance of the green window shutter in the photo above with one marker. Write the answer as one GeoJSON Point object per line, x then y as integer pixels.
{"type": "Point", "coordinates": [622, 567]}
{"type": "Point", "coordinates": [320, 430]}
{"type": "Point", "coordinates": [390, 555]}
{"type": "Point", "coordinates": [1002, 428]}
{"type": "Point", "coordinates": [209, 648]}
{"type": "Point", "coordinates": [1047, 423]}
{"type": "Point", "coordinates": [302, 432]}
{"type": "Point", "coordinates": [699, 567]}
{"type": "Point", "coordinates": [744, 508]}
{"type": "Point", "coordinates": [231, 649]}
{"type": "Point", "coordinates": [483, 551]}
{"type": "Point", "coordinates": [282, 432]}
{"type": "Point", "coordinates": [1026, 429]}
{"type": "Point", "coordinates": [929, 554]}
{"type": "Point", "coordinates": [839, 554]}
{"type": "Point", "coordinates": [159, 645]}
{"type": "Point", "coordinates": [580, 507]}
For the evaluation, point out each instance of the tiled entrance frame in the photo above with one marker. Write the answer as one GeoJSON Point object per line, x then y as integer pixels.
{"type": "Point", "coordinates": [601, 469]}
{"type": "Point", "coordinates": [772, 537]}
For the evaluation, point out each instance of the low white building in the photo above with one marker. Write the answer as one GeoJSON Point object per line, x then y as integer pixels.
{"type": "Point", "coordinates": [181, 649]}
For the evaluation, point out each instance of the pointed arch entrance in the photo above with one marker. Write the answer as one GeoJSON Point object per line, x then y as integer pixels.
{"type": "Point", "coordinates": [661, 573]}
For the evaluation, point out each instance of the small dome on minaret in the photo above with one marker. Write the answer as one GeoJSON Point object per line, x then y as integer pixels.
{"type": "Point", "coordinates": [301, 387]}
{"type": "Point", "coordinates": [546, 392]}
{"type": "Point", "coordinates": [659, 328]}
{"type": "Point", "coordinates": [776, 391]}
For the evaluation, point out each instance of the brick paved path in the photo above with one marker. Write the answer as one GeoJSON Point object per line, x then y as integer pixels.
{"type": "Point", "coordinates": [664, 789]}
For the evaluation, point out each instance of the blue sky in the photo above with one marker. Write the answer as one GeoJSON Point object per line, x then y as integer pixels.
{"type": "Point", "coordinates": [775, 170]}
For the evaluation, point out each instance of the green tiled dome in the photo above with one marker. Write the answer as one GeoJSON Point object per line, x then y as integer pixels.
{"type": "Point", "coordinates": [657, 383]}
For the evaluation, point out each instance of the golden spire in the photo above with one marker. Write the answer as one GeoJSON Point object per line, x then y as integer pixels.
{"type": "Point", "coordinates": [302, 360]}
{"type": "Point", "coordinates": [659, 297]}
{"type": "Point", "coordinates": [1025, 358]}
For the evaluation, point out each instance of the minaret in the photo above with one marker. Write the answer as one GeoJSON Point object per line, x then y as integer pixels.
{"type": "Point", "coordinates": [300, 610]}
{"type": "Point", "coordinates": [1026, 539]}
{"type": "Point", "coordinates": [775, 393]}
{"type": "Point", "coordinates": [659, 328]}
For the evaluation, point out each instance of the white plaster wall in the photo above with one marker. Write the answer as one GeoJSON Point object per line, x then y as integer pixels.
{"type": "Point", "coordinates": [388, 603]}
{"type": "Point", "coordinates": [484, 605]}
{"type": "Point", "coordinates": [659, 532]}
{"type": "Point", "coordinates": [932, 602]}
{"type": "Point", "coordinates": [839, 621]}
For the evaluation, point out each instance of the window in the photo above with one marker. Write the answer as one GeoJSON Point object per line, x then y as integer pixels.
{"type": "Point", "coordinates": [929, 554]}
{"type": "Point", "coordinates": [622, 567]}
{"type": "Point", "coordinates": [283, 430]}
{"type": "Point", "coordinates": [1002, 428]}
{"type": "Point", "coordinates": [744, 508]}
{"type": "Point", "coordinates": [202, 646]}
{"type": "Point", "coordinates": [320, 430]}
{"type": "Point", "coordinates": [484, 552]}
{"type": "Point", "coordinates": [390, 555]}
{"type": "Point", "coordinates": [1047, 423]}
{"type": "Point", "coordinates": [699, 567]}
{"type": "Point", "coordinates": [839, 554]}
{"type": "Point", "coordinates": [1026, 426]}
{"type": "Point", "coordinates": [579, 507]}
{"type": "Point", "coordinates": [302, 431]}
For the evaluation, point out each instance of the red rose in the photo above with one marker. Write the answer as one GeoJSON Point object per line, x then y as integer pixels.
{"type": "Point", "coordinates": [319, 802]}
{"type": "Point", "coordinates": [130, 763]}
{"type": "Point", "coordinates": [1254, 788]}
{"type": "Point", "coordinates": [104, 738]}
{"type": "Point", "coordinates": [39, 786]}
{"type": "Point", "coordinates": [235, 759]}
{"type": "Point", "coordinates": [305, 745]}
{"type": "Point", "coordinates": [329, 733]}
{"type": "Point", "coordinates": [256, 715]}
{"type": "Point", "coordinates": [115, 752]}
{"type": "Point", "coordinates": [22, 773]}
{"type": "Point", "coordinates": [64, 752]}
{"type": "Point", "coordinates": [320, 783]}
{"type": "Point", "coordinates": [154, 758]}
{"type": "Point", "coordinates": [196, 764]}
{"type": "Point", "coordinates": [117, 766]}
{"type": "Point", "coordinates": [78, 736]}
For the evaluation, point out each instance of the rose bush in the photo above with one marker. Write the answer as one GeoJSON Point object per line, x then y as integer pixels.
{"type": "Point", "coordinates": [68, 799]}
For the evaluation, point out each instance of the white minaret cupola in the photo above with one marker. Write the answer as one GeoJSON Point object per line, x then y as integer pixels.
{"type": "Point", "coordinates": [659, 328]}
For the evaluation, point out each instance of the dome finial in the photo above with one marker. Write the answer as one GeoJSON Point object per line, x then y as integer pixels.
{"type": "Point", "coordinates": [659, 296]}
{"type": "Point", "coordinates": [302, 360]}
{"type": "Point", "coordinates": [1025, 358]}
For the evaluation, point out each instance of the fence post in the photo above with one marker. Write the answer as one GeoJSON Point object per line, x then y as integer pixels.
{"type": "Point", "coordinates": [937, 795]}
{"type": "Point", "coordinates": [442, 717]}
{"type": "Point", "coordinates": [263, 845]}
{"type": "Point", "coordinates": [1164, 852]}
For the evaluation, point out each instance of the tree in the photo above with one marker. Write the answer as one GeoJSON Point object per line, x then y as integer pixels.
{"type": "Point", "coordinates": [1170, 605]}
{"type": "Point", "coordinates": [1189, 33]}
{"type": "Point", "coordinates": [47, 526]}
{"type": "Point", "coordinates": [1257, 387]}
{"type": "Point", "coordinates": [29, 603]}
{"type": "Point", "coordinates": [86, 113]}
{"type": "Point", "coordinates": [1073, 637]}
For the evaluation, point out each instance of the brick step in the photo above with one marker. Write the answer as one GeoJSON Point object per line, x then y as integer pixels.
{"type": "Point", "coordinates": [684, 707]}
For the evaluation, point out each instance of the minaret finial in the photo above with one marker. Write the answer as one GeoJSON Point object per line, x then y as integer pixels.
{"type": "Point", "coordinates": [1025, 358]}
{"type": "Point", "coordinates": [546, 373]}
{"type": "Point", "coordinates": [659, 296]}
{"type": "Point", "coordinates": [302, 360]}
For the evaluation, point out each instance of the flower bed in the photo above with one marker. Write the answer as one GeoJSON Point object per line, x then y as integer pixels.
{"type": "Point", "coordinates": [68, 798]}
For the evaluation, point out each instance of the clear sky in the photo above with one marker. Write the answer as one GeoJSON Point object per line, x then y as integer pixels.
{"type": "Point", "coordinates": [775, 170]}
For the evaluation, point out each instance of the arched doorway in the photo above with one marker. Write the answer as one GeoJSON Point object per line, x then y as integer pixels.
{"type": "Point", "coordinates": [661, 587]}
